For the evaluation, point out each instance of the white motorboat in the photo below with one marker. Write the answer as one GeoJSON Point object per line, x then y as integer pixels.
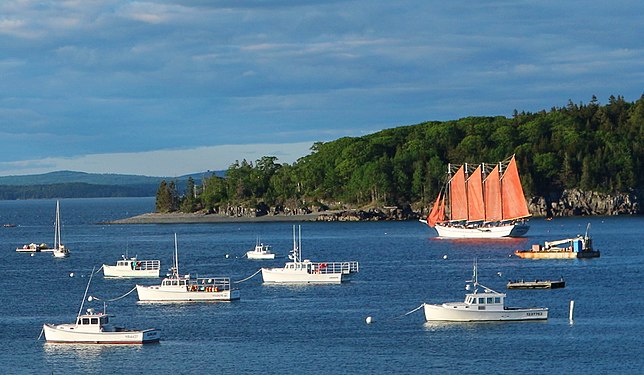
{"type": "Point", "coordinates": [300, 271]}
{"type": "Point", "coordinates": [484, 305]}
{"type": "Point", "coordinates": [59, 251]}
{"type": "Point", "coordinates": [132, 267]}
{"type": "Point", "coordinates": [261, 251]}
{"type": "Point", "coordinates": [177, 288]}
{"type": "Point", "coordinates": [96, 328]}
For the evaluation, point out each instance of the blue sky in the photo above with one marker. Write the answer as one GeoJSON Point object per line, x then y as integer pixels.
{"type": "Point", "coordinates": [165, 88]}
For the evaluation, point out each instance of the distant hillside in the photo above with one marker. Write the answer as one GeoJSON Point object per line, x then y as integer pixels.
{"type": "Point", "coordinates": [70, 184]}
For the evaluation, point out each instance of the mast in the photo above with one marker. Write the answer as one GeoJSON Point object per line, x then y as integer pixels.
{"type": "Point", "coordinates": [85, 295]}
{"type": "Point", "coordinates": [57, 239]}
{"type": "Point", "coordinates": [176, 256]}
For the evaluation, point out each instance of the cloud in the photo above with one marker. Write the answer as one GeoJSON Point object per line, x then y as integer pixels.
{"type": "Point", "coordinates": [165, 163]}
{"type": "Point", "coordinates": [109, 77]}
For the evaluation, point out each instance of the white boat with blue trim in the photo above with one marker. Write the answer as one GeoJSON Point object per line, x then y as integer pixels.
{"type": "Point", "coordinates": [482, 305]}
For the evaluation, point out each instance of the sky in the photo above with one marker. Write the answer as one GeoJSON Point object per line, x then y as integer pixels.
{"type": "Point", "coordinates": [173, 87]}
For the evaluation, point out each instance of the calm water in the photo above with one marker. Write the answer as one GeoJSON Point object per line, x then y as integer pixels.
{"type": "Point", "coordinates": [319, 329]}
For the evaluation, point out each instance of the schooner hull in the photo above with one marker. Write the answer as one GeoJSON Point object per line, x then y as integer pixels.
{"type": "Point", "coordinates": [500, 231]}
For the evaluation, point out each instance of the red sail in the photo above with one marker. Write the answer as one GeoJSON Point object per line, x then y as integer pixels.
{"type": "Point", "coordinates": [437, 212]}
{"type": "Point", "coordinates": [514, 204]}
{"type": "Point", "coordinates": [493, 196]}
{"type": "Point", "coordinates": [476, 210]}
{"type": "Point", "coordinates": [458, 196]}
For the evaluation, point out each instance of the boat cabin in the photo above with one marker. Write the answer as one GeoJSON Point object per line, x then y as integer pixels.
{"type": "Point", "coordinates": [136, 265]}
{"type": "Point", "coordinates": [489, 300]}
{"type": "Point", "coordinates": [93, 322]}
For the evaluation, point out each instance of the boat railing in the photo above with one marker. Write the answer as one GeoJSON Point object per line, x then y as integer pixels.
{"type": "Point", "coordinates": [335, 267]}
{"type": "Point", "coordinates": [146, 265]}
{"type": "Point", "coordinates": [209, 284]}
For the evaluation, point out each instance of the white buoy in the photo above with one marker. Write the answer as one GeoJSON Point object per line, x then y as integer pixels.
{"type": "Point", "coordinates": [32, 254]}
{"type": "Point", "coordinates": [572, 309]}
{"type": "Point", "coordinates": [445, 256]}
{"type": "Point", "coordinates": [71, 274]}
{"type": "Point", "coordinates": [90, 298]}
{"type": "Point", "coordinates": [500, 274]}
{"type": "Point", "coordinates": [227, 256]}
{"type": "Point", "coordinates": [369, 320]}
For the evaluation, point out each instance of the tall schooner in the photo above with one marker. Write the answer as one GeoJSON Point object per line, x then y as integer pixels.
{"type": "Point", "coordinates": [481, 201]}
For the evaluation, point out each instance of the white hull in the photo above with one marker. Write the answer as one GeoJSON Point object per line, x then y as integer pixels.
{"type": "Point", "coordinates": [60, 253]}
{"type": "Point", "coordinates": [287, 276]}
{"type": "Point", "coordinates": [65, 333]}
{"type": "Point", "coordinates": [259, 256]}
{"type": "Point", "coordinates": [157, 293]}
{"type": "Point", "coordinates": [507, 230]}
{"type": "Point", "coordinates": [449, 313]}
{"type": "Point", "coordinates": [116, 271]}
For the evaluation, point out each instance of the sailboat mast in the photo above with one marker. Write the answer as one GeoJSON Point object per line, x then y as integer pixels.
{"type": "Point", "coordinates": [448, 191]}
{"type": "Point", "coordinates": [483, 177]}
{"type": "Point", "coordinates": [467, 195]}
{"type": "Point", "coordinates": [57, 239]}
{"type": "Point", "coordinates": [501, 189]}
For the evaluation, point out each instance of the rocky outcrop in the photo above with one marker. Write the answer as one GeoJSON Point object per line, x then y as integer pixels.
{"type": "Point", "coordinates": [372, 214]}
{"type": "Point", "coordinates": [575, 202]}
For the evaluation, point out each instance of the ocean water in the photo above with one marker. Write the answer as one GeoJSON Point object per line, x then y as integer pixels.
{"type": "Point", "coordinates": [319, 329]}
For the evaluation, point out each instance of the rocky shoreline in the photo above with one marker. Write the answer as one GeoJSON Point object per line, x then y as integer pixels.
{"type": "Point", "coordinates": [573, 202]}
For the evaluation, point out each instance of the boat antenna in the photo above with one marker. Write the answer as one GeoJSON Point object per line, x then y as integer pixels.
{"type": "Point", "coordinates": [587, 229]}
{"type": "Point", "coordinates": [475, 276]}
{"type": "Point", "coordinates": [176, 256]}
{"type": "Point", "coordinates": [85, 295]}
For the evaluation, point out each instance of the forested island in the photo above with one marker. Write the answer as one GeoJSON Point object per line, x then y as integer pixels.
{"type": "Point", "coordinates": [578, 159]}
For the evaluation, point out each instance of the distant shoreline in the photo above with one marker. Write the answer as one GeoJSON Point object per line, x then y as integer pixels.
{"type": "Point", "coordinates": [195, 218]}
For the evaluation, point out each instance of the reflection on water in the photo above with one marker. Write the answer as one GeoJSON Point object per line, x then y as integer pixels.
{"type": "Point", "coordinates": [86, 357]}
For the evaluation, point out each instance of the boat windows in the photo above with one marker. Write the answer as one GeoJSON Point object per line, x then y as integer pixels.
{"type": "Point", "coordinates": [490, 300]}
{"type": "Point", "coordinates": [497, 299]}
{"type": "Point", "coordinates": [481, 300]}
{"type": "Point", "coordinates": [94, 321]}
{"type": "Point", "coordinates": [85, 321]}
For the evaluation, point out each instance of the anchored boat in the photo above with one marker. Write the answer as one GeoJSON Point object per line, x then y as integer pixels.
{"type": "Point", "coordinates": [177, 288]}
{"type": "Point", "coordinates": [261, 251]}
{"type": "Point", "coordinates": [482, 305]}
{"type": "Point", "coordinates": [59, 251]}
{"type": "Point", "coordinates": [480, 201]}
{"type": "Point", "coordinates": [96, 328]}
{"type": "Point", "coordinates": [536, 284]}
{"type": "Point", "coordinates": [33, 248]}
{"type": "Point", "coordinates": [568, 248]}
{"type": "Point", "coordinates": [132, 267]}
{"type": "Point", "coordinates": [300, 271]}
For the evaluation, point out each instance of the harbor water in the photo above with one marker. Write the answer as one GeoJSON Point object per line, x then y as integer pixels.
{"type": "Point", "coordinates": [318, 329]}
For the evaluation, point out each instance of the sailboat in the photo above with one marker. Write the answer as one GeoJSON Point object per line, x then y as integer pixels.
{"type": "Point", "coordinates": [59, 251]}
{"type": "Point", "coordinates": [481, 201]}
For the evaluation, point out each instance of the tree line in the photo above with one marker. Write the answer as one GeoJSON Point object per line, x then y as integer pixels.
{"type": "Point", "coordinates": [589, 146]}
